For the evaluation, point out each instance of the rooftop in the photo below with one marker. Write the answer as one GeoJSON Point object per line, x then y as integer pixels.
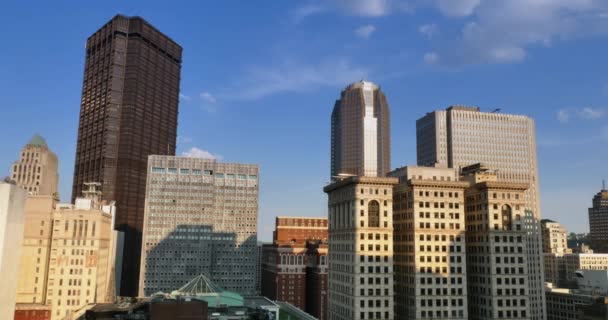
{"type": "Point", "coordinates": [37, 140]}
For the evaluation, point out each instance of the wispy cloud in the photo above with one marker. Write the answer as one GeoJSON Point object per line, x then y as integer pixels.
{"type": "Point", "coordinates": [502, 31]}
{"type": "Point", "coordinates": [301, 13]}
{"type": "Point", "coordinates": [429, 30]}
{"type": "Point", "coordinates": [183, 139]}
{"type": "Point", "coordinates": [585, 113]}
{"type": "Point", "coordinates": [184, 97]}
{"type": "Point", "coordinates": [365, 31]}
{"type": "Point", "coordinates": [195, 152]}
{"type": "Point", "coordinates": [208, 97]}
{"type": "Point", "coordinates": [292, 76]}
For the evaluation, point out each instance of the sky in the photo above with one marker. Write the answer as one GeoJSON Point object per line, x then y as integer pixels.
{"type": "Point", "coordinates": [259, 80]}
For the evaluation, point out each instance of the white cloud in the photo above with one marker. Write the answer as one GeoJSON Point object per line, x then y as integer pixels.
{"type": "Point", "coordinates": [301, 13]}
{"type": "Point", "coordinates": [208, 97]}
{"type": "Point", "coordinates": [365, 31]}
{"type": "Point", "coordinates": [370, 8]}
{"type": "Point", "coordinates": [184, 97]}
{"type": "Point", "coordinates": [585, 113]}
{"type": "Point", "coordinates": [195, 152]}
{"type": "Point", "coordinates": [457, 8]}
{"type": "Point", "coordinates": [563, 116]}
{"type": "Point", "coordinates": [429, 30]}
{"type": "Point", "coordinates": [502, 31]}
{"type": "Point", "coordinates": [290, 76]}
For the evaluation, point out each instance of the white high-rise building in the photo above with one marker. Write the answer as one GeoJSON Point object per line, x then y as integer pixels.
{"type": "Point", "coordinates": [200, 218]}
{"type": "Point", "coordinates": [12, 201]}
{"type": "Point", "coordinates": [461, 136]}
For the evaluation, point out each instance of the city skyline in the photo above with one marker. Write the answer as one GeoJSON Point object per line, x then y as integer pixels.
{"type": "Point", "coordinates": [569, 127]}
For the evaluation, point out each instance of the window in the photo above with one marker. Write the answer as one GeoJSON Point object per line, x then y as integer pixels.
{"type": "Point", "coordinates": [219, 175]}
{"type": "Point", "coordinates": [230, 176]}
{"type": "Point", "coordinates": [506, 217]}
{"type": "Point", "coordinates": [197, 172]}
{"type": "Point", "coordinates": [184, 171]}
{"type": "Point", "coordinates": [172, 170]}
{"type": "Point", "coordinates": [373, 214]}
{"type": "Point", "coordinates": [158, 170]}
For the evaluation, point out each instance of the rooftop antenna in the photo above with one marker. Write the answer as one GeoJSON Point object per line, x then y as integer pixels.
{"type": "Point", "coordinates": [603, 184]}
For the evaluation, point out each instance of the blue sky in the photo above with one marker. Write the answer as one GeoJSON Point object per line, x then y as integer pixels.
{"type": "Point", "coordinates": [259, 79]}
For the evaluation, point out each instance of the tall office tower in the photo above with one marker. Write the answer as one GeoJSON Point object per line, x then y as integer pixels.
{"type": "Point", "coordinates": [497, 270]}
{"type": "Point", "coordinates": [430, 252]}
{"type": "Point", "coordinates": [360, 132]}
{"type": "Point", "coordinates": [36, 169]}
{"type": "Point", "coordinates": [201, 218]}
{"type": "Point", "coordinates": [461, 136]}
{"type": "Point", "coordinates": [294, 266]}
{"type": "Point", "coordinates": [598, 221]}
{"type": "Point", "coordinates": [361, 248]}
{"type": "Point", "coordinates": [128, 111]}
{"type": "Point", "coordinates": [555, 237]}
{"type": "Point", "coordinates": [82, 264]}
{"type": "Point", "coordinates": [12, 200]}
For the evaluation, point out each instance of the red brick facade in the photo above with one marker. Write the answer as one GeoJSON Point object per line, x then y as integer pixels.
{"type": "Point", "coordinates": [294, 267]}
{"type": "Point", "coordinates": [32, 312]}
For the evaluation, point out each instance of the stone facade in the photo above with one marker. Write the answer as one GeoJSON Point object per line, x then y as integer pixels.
{"type": "Point", "coordinates": [36, 169]}
{"type": "Point", "coordinates": [361, 249]}
{"type": "Point", "coordinates": [200, 218]}
{"type": "Point", "coordinates": [555, 237]}
{"type": "Point", "coordinates": [430, 251]}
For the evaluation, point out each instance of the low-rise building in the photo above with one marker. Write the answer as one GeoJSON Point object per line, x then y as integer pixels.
{"type": "Point", "coordinates": [555, 237]}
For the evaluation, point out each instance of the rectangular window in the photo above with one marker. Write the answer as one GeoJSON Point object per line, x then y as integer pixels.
{"type": "Point", "coordinates": [219, 175]}
{"type": "Point", "coordinates": [197, 172]}
{"type": "Point", "coordinates": [184, 171]}
{"type": "Point", "coordinates": [230, 176]}
{"type": "Point", "coordinates": [158, 170]}
{"type": "Point", "coordinates": [242, 176]}
{"type": "Point", "coordinates": [172, 170]}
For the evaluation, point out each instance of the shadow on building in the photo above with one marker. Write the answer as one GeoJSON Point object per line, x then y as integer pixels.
{"type": "Point", "coordinates": [191, 250]}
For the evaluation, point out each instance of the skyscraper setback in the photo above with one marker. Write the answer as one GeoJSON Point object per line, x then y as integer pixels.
{"type": "Point", "coordinates": [128, 111]}
{"type": "Point", "coordinates": [360, 132]}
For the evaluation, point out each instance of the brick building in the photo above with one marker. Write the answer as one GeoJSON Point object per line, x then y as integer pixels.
{"type": "Point", "coordinates": [294, 266]}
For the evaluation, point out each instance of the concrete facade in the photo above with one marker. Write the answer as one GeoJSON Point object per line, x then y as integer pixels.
{"type": "Point", "coordinates": [12, 201]}
{"type": "Point", "coordinates": [361, 249]}
{"type": "Point", "coordinates": [200, 218]}
{"type": "Point", "coordinates": [461, 136]}
{"type": "Point", "coordinates": [497, 268]}
{"type": "Point", "coordinates": [555, 237]}
{"type": "Point", "coordinates": [36, 170]}
{"type": "Point", "coordinates": [430, 251]}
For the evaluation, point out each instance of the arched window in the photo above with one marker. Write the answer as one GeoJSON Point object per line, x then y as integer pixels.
{"type": "Point", "coordinates": [506, 217]}
{"type": "Point", "coordinates": [373, 214]}
{"type": "Point", "coordinates": [283, 259]}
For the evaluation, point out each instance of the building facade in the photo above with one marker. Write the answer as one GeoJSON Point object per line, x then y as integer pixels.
{"type": "Point", "coordinates": [497, 268]}
{"type": "Point", "coordinates": [294, 266]}
{"type": "Point", "coordinates": [361, 248]}
{"type": "Point", "coordinates": [12, 201]}
{"type": "Point", "coordinates": [360, 132]}
{"type": "Point", "coordinates": [555, 237]}
{"type": "Point", "coordinates": [36, 169]}
{"type": "Point", "coordinates": [461, 136]}
{"type": "Point", "coordinates": [598, 222]}
{"type": "Point", "coordinates": [200, 218]}
{"type": "Point", "coordinates": [128, 111]}
{"type": "Point", "coordinates": [560, 269]}
{"type": "Point", "coordinates": [82, 262]}
{"type": "Point", "coordinates": [429, 244]}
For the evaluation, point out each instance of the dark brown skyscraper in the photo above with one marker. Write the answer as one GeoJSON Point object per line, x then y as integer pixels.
{"type": "Point", "coordinates": [360, 132]}
{"type": "Point", "coordinates": [128, 111]}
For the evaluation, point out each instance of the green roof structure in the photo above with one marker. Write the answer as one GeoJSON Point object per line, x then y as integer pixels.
{"type": "Point", "coordinates": [201, 288]}
{"type": "Point", "coordinates": [37, 140]}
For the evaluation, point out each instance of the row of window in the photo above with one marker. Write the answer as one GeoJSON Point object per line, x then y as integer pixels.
{"type": "Point", "coordinates": [204, 172]}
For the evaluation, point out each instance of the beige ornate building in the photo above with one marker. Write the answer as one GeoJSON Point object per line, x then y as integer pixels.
{"type": "Point", "coordinates": [361, 249]}
{"type": "Point", "coordinates": [497, 267]}
{"type": "Point", "coordinates": [69, 255]}
{"type": "Point", "coordinates": [555, 237]}
{"type": "Point", "coordinates": [461, 136]}
{"type": "Point", "coordinates": [12, 199]}
{"type": "Point", "coordinates": [200, 218]}
{"type": "Point", "coordinates": [36, 169]}
{"type": "Point", "coordinates": [430, 251]}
